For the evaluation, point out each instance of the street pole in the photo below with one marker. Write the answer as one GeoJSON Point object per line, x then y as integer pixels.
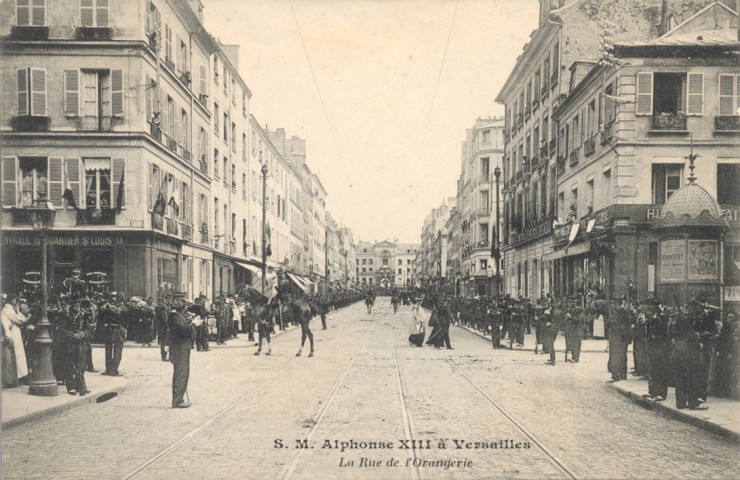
{"type": "Point", "coordinates": [497, 173]}
{"type": "Point", "coordinates": [264, 233]}
{"type": "Point", "coordinates": [42, 381]}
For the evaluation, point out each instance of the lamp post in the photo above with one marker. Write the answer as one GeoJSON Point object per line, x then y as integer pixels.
{"type": "Point", "coordinates": [497, 174]}
{"type": "Point", "coordinates": [264, 233]}
{"type": "Point", "coordinates": [42, 381]}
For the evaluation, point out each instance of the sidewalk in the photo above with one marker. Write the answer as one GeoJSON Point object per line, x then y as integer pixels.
{"type": "Point", "coordinates": [722, 418]}
{"type": "Point", "coordinates": [19, 407]}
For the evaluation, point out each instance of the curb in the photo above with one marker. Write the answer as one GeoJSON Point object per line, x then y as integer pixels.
{"type": "Point", "coordinates": [100, 397]}
{"type": "Point", "coordinates": [678, 415]}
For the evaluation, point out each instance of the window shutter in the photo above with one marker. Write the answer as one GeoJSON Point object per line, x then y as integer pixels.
{"type": "Point", "coordinates": [23, 12]}
{"type": "Point", "coordinates": [726, 94]}
{"type": "Point", "coordinates": [644, 93]}
{"type": "Point", "coordinates": [73, 178]}
{"type": "Point", "coordinates": [695, 103]}
{"type": "Point", "coordinates": [86, 13]}
{"type": "Point", "coordinates": [176, 133]}
{"type": "Point", "coordinates": [150, 190]}
{"type": "Point", "coordinates": [178, 53]}
{"type": "Point", "coordinates": [203, 82]}
{"type": "Point", "coordinates": [149, 98]}
{"type": "Point", "coordinates": [118, 169]}
{"type": "Point", "coordinates": [116, 92]}
{"type": "Point", "coordinates": [101, 13]}
{"type": "Point", "coordinates": [38, 91]}
{"type": "Point", "coordinates": [38, 14]}
{"type": "Point", "coordinates": [55, 181]}
{"type": "Point", "coordinates": [71, 92]}
{"type": "Point", "coordinates": [22, 77]}
{"type": "Point", "coordinates": [10, 182]}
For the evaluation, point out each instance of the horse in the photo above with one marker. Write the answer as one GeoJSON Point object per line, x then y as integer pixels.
{"type": "Point", "coordinates": [369, 301]}
{"type": "Point", "coordinates": [300, 311]}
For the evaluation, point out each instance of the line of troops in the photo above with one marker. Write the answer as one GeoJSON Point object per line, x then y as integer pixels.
{"type": "Point", "coordinates": [693, 348]}
{"type": "Point", "coordinates": [79, 316]}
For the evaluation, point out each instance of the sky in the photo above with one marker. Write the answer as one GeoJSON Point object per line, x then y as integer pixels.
{"type": "Point", "coordinates": [377, 91]}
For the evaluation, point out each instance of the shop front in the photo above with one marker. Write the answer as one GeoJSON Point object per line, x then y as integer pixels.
{"type": "Point", "coordinates": [223, 275]}
{"type": "Point", "coordinates": [133, 263]}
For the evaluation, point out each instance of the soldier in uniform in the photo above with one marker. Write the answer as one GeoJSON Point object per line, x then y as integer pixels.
{"type": "Point", "coordinates": [494, 324]}
{"type": "Point", "coordinates": [76, 327]}
{"type": "Point", "coordinates": [573, 333]}
{"type": "Point", "coordinates": [550, 326]}
{"type": "Point", "coordinates": [685, 352]}
{"type": "Point", "coordinates": [179, 332]}
{"type": "Point", "coordinates": [248, 320]}
{"type": "Point", "coordinates": [658, 351]}
{"type": "Point", "coordinates": [323, 310]}
{"type": "Point", "coordinates": [160, 325]}
{"type": "Point", "coordinates": [112, 317]}
{"type": "Point", "coordinates": [619, 339]}
{"type": "Point", "coordinates": [639, 345]}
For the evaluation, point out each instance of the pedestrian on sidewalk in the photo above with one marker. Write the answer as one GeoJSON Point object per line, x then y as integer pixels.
{"type": "Point", "coordinates": [179, 332]}
{"type": "Point", "coordinates": [12, 321]}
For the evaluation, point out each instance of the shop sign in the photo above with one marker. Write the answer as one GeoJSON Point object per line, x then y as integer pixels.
{"type": "Point", "coordinates": [166, 246]}
{"type": "Point", "coordinates": [62, 240]}
{"type": "Point", "coordinates": [732, 214]}
{"type": "Point", "coordinates": [671, 260]}
{"type": "Point", "coordinates": [703, 260]}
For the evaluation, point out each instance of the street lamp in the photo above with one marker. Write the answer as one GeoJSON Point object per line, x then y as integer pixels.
{"type": "Point", "coordinates": [264, 233]}
{"type": "Point", "coordinates": [497, 174]}
{"type": "Point", "coordinates": [42, 381]}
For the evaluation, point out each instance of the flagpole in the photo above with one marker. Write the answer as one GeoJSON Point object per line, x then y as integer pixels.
{"type": "Point", "coordinates": [264, 252]}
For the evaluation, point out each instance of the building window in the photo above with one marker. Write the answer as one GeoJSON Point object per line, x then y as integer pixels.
{"type": "Point", "coordinates": [364, 261]}
{"type": "Point", "coordinates": [728, 179]}
{"type": "Point", "coordinates": [34, 180]}
{"type": "Point", "coordinates": [94, 13]}
{"type": "Point", "coordinates": [589, 195]}
{"type": "Point", "coordinates": [486, 137]}
{"type": "Point", "coordinates": [31, 91]}
{"type": "Point", "coordinates": [97, 183]}
{"type": "Point", "coordinates": [729, 95]}
{"type": "Point", "coordinates": [31, 13]}
{"type": "Point", "coordinates": [666, 94]}
{"type": "Point", "coordinates": [484, 164]}
{"type": "Point", "coordinates": [385, 261]}
{"type": "Point", "coordinates": [215, 118]}
{"type": "Point", "coordinates": [666, 180]}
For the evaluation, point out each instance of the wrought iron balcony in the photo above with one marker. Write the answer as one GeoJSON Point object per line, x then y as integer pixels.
{"type": "Point", "coordinates": [169, 63]}
{"type": "Point", "coordinates": [29, 32]}
{"type": "Point", "coordinates": [157, 221]}
{"type": "Point", "coordinates": [172, 226]}
{"type": "Point", "coordinates": [727, 123]}
{"type": "Point", "coordinates": [185, 78]}
{"type": "Point", "coordinates": [203, 165]}
{"type": "Point", "coordinates": [184, 153]}
{"type": "Point", "coordinates": [30, 123]}
{"type": "Point", "coordinates": [561, 164]}
{"type": "Point", "coordinates": [589, 147]}
{"type": "Point", "coordinates": [607, 133]}
{"type": "Point", "coordinates": [94, 33]}
{"type": "Point", "coordinates": [574, 157]}
{"type": "Point", "coordinates": [96, 216]}
{"type": "Point", "coordinates": [552, 146]}
{"type": "Point", "coordinates": [669, 122]}
{"type": "Point", "coordinates": [187, 231]}
{"type": "Point", "coordinates": [532, 231]}
{"type": "Point", "coordinates": [94, 124]}
{"type": "Point", "coordinates": [155, 131]}
{"type": "Point", "coordinates": [171, 143]}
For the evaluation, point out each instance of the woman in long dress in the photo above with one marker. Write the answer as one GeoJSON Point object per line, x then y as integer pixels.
{"type": "Point", "coordinates": [12, 321]}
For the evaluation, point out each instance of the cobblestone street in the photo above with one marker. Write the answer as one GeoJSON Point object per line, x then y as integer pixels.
{"type": "Point", "coordinates": [498, 414]}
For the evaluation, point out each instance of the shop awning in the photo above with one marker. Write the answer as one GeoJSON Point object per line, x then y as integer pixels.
{"type": "Point", "coordinates": [249, 267]}
{"type": "Point", "coordinates": [578, 249]}
{"type": "Point", "coordinates": [305, 280]}
{"type": "Point", "coordinates": [298, 282]}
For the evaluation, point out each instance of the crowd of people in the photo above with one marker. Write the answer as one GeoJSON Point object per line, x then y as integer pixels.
{"type": "Point", "coordinates": [694, 347]}
{"type": "Point", "coordinates": [81, 315]}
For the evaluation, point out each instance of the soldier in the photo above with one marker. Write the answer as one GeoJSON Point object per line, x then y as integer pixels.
{"type": "Point", "coordinates": [494, 324]}
{"type": "Point", "coordinates": [76, 327]}
{"type": "Point", "coordinates": [639, 345]}
{"type": "Point", "coordinates": [708, 328]}
{"type": "Point", "coordinates": [201, 331]}
{"type": "Point", "coordinates": [248, 321]}
{"type": "Point", "coordinates": [160, 322]}
{"type": "Point", "coordinates": [685, 352]}
{"type": "Point", "coordinates": [658, 351]}
{"type": "Point", "coordinates": [179, 333]}
{"type": "Point", "coordinates": [551, 326]}
{"type": "Point", "coordinates": [619, 339]}
{"type": "Point", "coordinates": [114, 325]}
{"type": "Point", "coordinates": [573, 333]}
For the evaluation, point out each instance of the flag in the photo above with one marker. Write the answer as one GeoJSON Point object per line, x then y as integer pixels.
{"type": "Point", "coordinates": [121, 189]}
{"type": "Point", "coordinates": [174, 206]}
{"type": "Point", "coordinates": [573, 234]}
{"type": "Point", "coordinates": [68, 195]}
{"type": "Point", "coordinates": [268, 249]}
{"type": "Point", "coordinates": [160, 203]}
{"type": "Point", "coordinates": [495, 251]}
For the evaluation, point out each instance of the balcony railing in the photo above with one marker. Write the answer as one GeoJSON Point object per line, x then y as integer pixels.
{"type": "Point", "coordinates": [574, 157]}
{"type": "Point", "coordinates": [172, 226]}
{"type": "Point", "coordinates": [170, 142]}
{"type": "Point", "coordinates": [669, 122]}
{"type": "Point", "coordinates": [96, 216]}
{"type": "Point", "coordinates": [94, 124]}
{"type": "Point", "coordinates": [482, 212]}
{"type": "Point", "coordinates": [204, 234]}
{"type": "Point", "coordinates": [187, 231]}
{"type": "Point", "coordinates": [94, 33]}
{"type": "Point", "coordinates": [185, 78]}
{"type": "Point", "coordinates": [157, 221]}
{"type": "Point", "coordinates": [155, 131]}
{"type": "Point", "coordinates": [606, 134]}
{"type": "Point", "coordinates": [483, 244]}
{"type": "Point", "coordinates": [725, 123]}
{"type": "Point", "coordinates": [533, 231]}
{"type": "Point", "coordinates": [169, 63]}
{"type": "Point", "coordinates": [561, 165]}
{"type": "Point", "coordinates": [203, 166]}
{"type": "Point", "coordinates": [184, 153]}
{"type": "Point", "coordinates": [552, 146]}
{"type": "Point", "coordinates": [589, 147]}
{"type": "Point", "coordinates": [30, 123]}
{"type": "Point", "coordinates": [29, 32]}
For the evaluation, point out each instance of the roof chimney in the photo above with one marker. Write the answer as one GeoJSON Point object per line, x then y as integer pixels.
{"type": "Point", "coordinates": [664, 27]}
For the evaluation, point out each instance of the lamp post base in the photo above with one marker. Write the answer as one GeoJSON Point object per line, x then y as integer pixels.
{"type": "Point", "coordinates": [45, 389]}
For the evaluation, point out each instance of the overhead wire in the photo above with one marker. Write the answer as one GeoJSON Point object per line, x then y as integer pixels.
{"type": "Point", "coordinates": [439, 76]}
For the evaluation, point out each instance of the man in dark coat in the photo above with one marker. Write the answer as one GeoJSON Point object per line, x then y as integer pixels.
{"type": "Point", "coordinates": [550, 327]}
{"type": "Point", "coordinates": [112, 316]}
{"type": "Point", "coordinates": [573, 333]}
{"type": "Point", "coordinates": [685, 352]}
{"type": "Point", "coordinates": [181, 342]}
{"type": "Point", "coordinates": [160, 322]}
{"type": "Point", "coordinates": [639, 345]}
{"type": "Point", "coordinates": [619, 339]}
{"type": "Point", "coordinates": [658, 351]}
{"type": "Point", "coordinates": [76, 326]}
